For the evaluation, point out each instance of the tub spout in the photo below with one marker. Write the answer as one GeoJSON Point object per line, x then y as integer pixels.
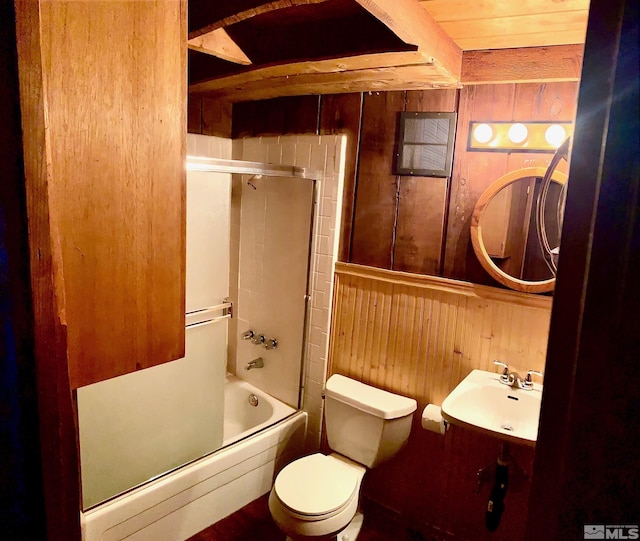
{"type": "Point", "coordinates": [256, 363]}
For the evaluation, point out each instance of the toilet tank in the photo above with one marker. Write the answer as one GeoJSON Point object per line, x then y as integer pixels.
{"type": "Point", "coordinates": [366, 424]}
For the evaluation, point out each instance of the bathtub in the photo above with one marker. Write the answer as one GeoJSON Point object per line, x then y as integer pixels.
{"type": "Point", "coordinates": [181, 503]}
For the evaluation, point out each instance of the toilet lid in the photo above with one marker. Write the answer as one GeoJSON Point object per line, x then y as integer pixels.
{"type": "Point", "coordinates": [315, 485]}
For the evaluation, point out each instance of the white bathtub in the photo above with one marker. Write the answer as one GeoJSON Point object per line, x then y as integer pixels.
{"type": "Point", "coordinates": [187, 500]}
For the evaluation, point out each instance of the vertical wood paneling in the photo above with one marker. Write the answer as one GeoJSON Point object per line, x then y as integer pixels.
{"type": "Point", "coordinates": [420, 340]}
{"type": "Point", "coordinates": [194, 114]}
{"type": "Point", "coordinates": [422, 200]}
{"type": "Point", "coordinates": [216, 117]}
{"type": "Point", "coordinates": [116, 145]}
{"type": "Point", "coordinates": [277, 116]}
{"type": "Point", "coordinates": [375, 209]}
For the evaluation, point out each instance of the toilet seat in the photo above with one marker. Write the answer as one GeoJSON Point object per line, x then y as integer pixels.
{"type": "Point", "coordinates": [316, 487]}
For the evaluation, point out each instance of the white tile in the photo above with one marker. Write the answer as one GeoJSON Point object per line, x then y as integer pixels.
{"type": "Point", "coordinates": [316, 372]}
{"type": "Point", "coordinates": [237, 149]}
{"type": "Point", "coordinates": [215, 147]}
{"type": "Point", "coordinates": [316, 335]}
{"type": "Point", "coordinates": [323, 246]}
{"type": "Point", "coordinates": [318, 300]}
{"type": "Point", "coordinates": [302, 155]}
{"type": "Point", "coordinates": [252, 149]}
{"type": "Point", "coordinates": [274, 153]}
{"type": "Point", "coordinates": [324, 227]}
{"type": "Point", "coordinates": [308, 139]}
{"type": "Point", "coordinates": [318, 157]}
{"type": "Point", "coordinates": [191, 144]}
{"type": "Point", "coordinates": [324, 264]}
{"type": "Point", "coordinates": [288, 154]}
{"type": "Point", "coordinates": [315, 354]}
{"type": "Point", "coordinates": [202, 145]}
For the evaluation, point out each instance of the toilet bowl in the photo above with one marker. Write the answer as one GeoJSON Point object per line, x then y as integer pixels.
{"type": "Point", "coordinates": [316, 497]}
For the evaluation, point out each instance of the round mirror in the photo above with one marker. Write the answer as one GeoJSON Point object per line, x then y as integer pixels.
{"type": "Point", "coordinates": [503, 229]}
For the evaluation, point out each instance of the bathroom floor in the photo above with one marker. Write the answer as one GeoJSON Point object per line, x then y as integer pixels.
{"type": "Point", "coordinates": [254, 523]}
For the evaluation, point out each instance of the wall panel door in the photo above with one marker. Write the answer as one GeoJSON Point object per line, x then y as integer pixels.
{"type": "Point", "coordinates": [112, 93]}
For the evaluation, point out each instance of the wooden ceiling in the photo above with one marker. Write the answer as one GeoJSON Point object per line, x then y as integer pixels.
{"type": "Point", "coordinates": [254, 49]}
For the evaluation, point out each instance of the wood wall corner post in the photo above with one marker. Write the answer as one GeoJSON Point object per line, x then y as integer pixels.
{"type": "Point", "coordinates": [57, 420]}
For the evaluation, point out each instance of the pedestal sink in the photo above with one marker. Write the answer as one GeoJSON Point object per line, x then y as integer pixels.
{"type": "Point", "coordinates": [481, 402]}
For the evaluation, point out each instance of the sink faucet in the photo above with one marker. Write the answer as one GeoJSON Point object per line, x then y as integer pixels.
{"type": "Point", "coordinates": [515, 380]}
{"type": "Point", "coordinates": [256, 363]}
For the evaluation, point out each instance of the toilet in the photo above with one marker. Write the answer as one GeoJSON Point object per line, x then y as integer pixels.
{"type": "Point", "coordinates": [316, 497]}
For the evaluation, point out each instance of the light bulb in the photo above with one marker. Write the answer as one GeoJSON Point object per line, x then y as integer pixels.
{"type": "Point", "coordinates": [518, 133]}
{"type": "Point", "coordinates": [483, 133]}
{"type": "Point", "coordinates": [555, 135]}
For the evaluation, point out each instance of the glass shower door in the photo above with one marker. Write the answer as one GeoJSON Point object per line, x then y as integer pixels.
{"type": "Point", "coordinates": [138, 426]}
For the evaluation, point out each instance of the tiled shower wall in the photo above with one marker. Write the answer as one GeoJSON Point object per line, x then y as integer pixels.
{"type": "Point", "coordinates": [325, 154]}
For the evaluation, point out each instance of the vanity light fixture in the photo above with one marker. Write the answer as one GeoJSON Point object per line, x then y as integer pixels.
{"type": "Point", "coordinates": [518, 136]}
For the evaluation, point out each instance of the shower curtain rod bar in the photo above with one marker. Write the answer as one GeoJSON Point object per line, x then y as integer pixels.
{"type": "Point", "coordinates": [217, 165]}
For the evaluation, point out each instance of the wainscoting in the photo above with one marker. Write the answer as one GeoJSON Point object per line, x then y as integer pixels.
{"type": "Point", "coordinates": [420, 336]}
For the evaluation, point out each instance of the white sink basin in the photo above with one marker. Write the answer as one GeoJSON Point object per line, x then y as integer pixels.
{"type": "Point", "coordinates": [481, 402]}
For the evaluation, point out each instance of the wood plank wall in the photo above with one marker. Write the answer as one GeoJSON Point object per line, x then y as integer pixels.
{"type": "Point", "coordinates": [208, 116]}
{"type": "Point", "coordinates": [419, 337]}
{"type": "Point", "coordinates": [398, 221]}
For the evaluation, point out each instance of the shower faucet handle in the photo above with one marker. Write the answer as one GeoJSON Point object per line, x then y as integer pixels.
{"type": "Point", "coordinates": [271, 343]}
{"type": "Point", "coordinates": [247, 335]}
{"type": "Point", "coordinates": [258, 339]}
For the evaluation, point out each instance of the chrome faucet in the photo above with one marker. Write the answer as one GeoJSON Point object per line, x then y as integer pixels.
{"type": "Point", "coordinates": [247, 335]}
{"type": "Point", "coordinates": [515, 380]}
{"type": "Point", "coordinates": [256, 363]}
{"type": "Point", "coordinates": [271, 343]}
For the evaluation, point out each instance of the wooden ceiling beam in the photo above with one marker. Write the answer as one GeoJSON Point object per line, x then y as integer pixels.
{"type": "Point", "coordinates": [529, 64]}
{"type": "Point", "coordinates": [264, 75]}
{"type": "Point", "coordinates": [407, 77]}
{"type": "Point", "coordinates": [247, 14]}
{"type": "Point", "coordinates": [219, 43]}
{"type": "Point", "coordinates": [414, 25]}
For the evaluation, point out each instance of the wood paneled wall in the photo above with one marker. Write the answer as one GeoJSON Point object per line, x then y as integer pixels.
{"type": "Point", "coordinates": [419, 337]}
{"type": "Point", "coordinates": [208, 116]}
{"type": "Point", "coordinates": [398, 221]}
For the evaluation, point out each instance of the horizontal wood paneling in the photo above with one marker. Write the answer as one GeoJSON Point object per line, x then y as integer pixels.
{"type": "Point", "coordinates": [496, 24]}
{"type": "Point", "coordinates": [530, 64]}
{"type": "Point", "coordinates": [419, 337]}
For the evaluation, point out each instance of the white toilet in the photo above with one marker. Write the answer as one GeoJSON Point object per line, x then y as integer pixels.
{"type": "Point", "coordinates": [316, 497]}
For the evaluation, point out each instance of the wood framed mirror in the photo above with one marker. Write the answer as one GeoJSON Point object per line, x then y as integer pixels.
{"type": "Point", "coordinates": [503, 229]}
